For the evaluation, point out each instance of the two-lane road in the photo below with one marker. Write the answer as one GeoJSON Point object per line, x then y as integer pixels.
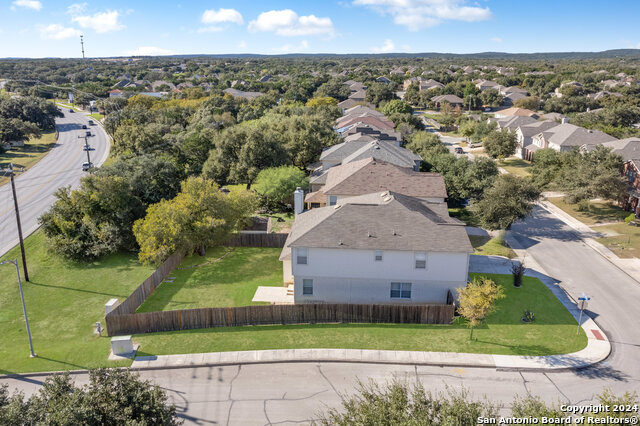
{"type": "Point", "coordinates": [62, 166]}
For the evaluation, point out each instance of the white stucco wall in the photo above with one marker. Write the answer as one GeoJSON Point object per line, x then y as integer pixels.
{"type": "Point", "coordinates": [353, 276]}
{"type": "Point", "coordinates": [287, 275]}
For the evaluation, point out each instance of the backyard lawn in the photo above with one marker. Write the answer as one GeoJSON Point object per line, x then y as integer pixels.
{"type": "Point", "coordinates": [488, 246]}
{"type": "Point", "coordinates": [28, 155]}
{"type": "Point", "coordinates": [64, 300]}
{"type": "Point", "coordinates": [230, 281]}
{"type": "Point", "coordinates": [599, 212]}
{"type": "Point", "coordinates": [516, 166]}
{"type": "Point", "coordinates": [625, 245]}
{"type": "Point", "coordinates": [554, 332]}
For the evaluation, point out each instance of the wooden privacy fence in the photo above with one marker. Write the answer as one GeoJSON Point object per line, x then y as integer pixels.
{"type": "Point", "coordinates": [147, 287]}
{"type": "Point", "coordinates": [150, 322]}
{"type": "Point", "coordinates": [258, 240]}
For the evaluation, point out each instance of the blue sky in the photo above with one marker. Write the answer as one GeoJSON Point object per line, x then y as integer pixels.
{"type": "Point", "coordinates": [43, 28]}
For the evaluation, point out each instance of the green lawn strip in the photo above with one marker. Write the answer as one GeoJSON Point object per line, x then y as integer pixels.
{"type": "Point", "coordinates": [625, 245]}
{"type": "Point", "coordinates": [554, 332]}
{"type": "Point", "coordinates": [516, 166]}
{"type": "Point", "coordinates": [231, 281]}
{"type": "Point", "coordinates": [97, 116]}
{"type": "Point", "coordinates": [599, 212]}
{"type": "Point", "coordinates": [28, 155]}
{"type": "Point", "coordinates": [488, 246]}
{"type": "Point", "coordinates": [64, 300]}
{"type": "Point", "coordinates": [465, 215]}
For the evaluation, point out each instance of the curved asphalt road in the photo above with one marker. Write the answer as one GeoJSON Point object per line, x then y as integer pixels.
{"type": "Point", "coordinates": [62, 166]}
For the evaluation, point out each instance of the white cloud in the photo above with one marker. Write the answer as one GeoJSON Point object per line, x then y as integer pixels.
{"type": "Point", "coordinates": [287, 23]}
{"type": "Point", "coordinates": [149, 51]}
{"type": "Point", "coordinates": [242, 44]}
{"type": "Point", "coordinates": [496, 39]}
{"type": "Point", "coordinates": [100, 22]}
{"type": "Point", "coordinates": [77, 8]}
{"type": "Point", "coordinates": [58, 32]}
{"type": "Point", "coordinates": [29, 4]}
{"type": "Point", "coordinates": [418, 14]}
{"type": "Point", "coordinates": [387, 47]}
{"type": "Point", "coordinates": [210, 29]}
{"type": "Point", "coordinates": [289, 48]}
{"type": "Point", "coordinates": [222, 15]}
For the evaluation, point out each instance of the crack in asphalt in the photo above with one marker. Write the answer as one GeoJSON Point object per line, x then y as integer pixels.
{"type": "Point", "coordinates": [230, 391]}
{"type": "Point", "coordinates": [524, 383]}
{"type": "Point", "coordinates": [557, 388]}
{"type": "Point", "coordinates": [328, 381]}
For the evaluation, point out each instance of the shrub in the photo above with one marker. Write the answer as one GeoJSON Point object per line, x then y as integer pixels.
{"type": "Point", "coordinates": [630, 218]}
{"type": "Point", "coordinates": [517, 269]}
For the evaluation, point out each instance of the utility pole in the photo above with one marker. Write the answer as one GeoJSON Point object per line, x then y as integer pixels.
{"type": "Point", "coordinates": [87, 147]}
{"type": "Point", "coordinates": [24, 307]}
{"type": "Point", "coordinates": [15, 203]}
{"type": "Point", "coordinates": [82, 45]}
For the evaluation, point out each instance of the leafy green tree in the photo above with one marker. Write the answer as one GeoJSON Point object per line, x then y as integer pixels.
{"type": "Point", "coordinates": [377, 93]}
{"type": "Point", "coordinates": [500, 144]}
{"type": "Point", "coordinates": [477, 300]}
{"type": "Point", "coordinates": [491, 98]}
{"type": "Point", "coordinates": [333, 88]}
{"type": "Point", "coordinates": [531, 102]}
{"type": "Point", "coordinates": [319, 102]}
{"type": "Point", "coordinates": [15, 129]}
{"type": "Point", "coordinates": [113, 396]}
{"type": "Point", "coordinates": [136, 139]}
{"type": "Point", "coordinates": [398, 403]}
{"type": "Point", "coordinates": [509, 199]}
{"type": "Point", "coordinates": [412, 94]}
{"type": "Point", "coordinates": [199, 216]}
{"type": "Point", "coordinates": [276, 186]}
{"type": "Point", "coordinates": [396, 106]}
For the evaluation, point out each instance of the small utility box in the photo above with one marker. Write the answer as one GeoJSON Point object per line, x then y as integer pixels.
{"type": "Point", "coordinates": [121, 345]}
{"type": "Point", "coordinates": [110, 305]}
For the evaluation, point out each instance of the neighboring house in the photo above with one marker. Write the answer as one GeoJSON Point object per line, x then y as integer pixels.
{"type": "Point", "coordinates": [116, 93]}
{"type": "Point", "coordinates": [362, 109]}
{"type": "Point", "coordinates": [373, 175]}
{"type": "Point", "coordinates": [348, 103]}
{"type": "Point", "coordinates": [356, 86]}
{"type": "Point", "coordinates": [265, 78]}
{"type": "Point", "coordinates": [369, 134]}
{"type": "Point", "coordinates": [240, 94]}
{"type": "Point", "coordinates": [565, 136]}
{"type": "Point", "coordinates": [486, 84]}
{"type": "Point", "coordinates": [453, 100]}
{"type": "Point", "coordinates": [378, 122]}
{"type": "Point", "coordinates": [525, 148]}
{"type": "Point", "coordinates": [377, 248]}
{"type": "Point", "coordinates": [383, 79]}
{"type": "Point", "coordinates": [158, 83]}
{"type": "Point", "coordinates": [599, 95]}
{"type": "Point", "coordinates": [430, 84]}
{"type": "Point", "coordinates": [358, 96]}
{"type": "Point", "coordinates": [154, 94]}
{"type": "Point", "coordinates": [519, 112]}
{"type": "Point", "coordinates": [388, 151]}
{"type": "Point", "coordinates": [510, 98]}
{"type": "Point", "coordinates": [513, 122]}
{"type": "Point", "coordinates": [628, 149]}
{"type": "Point", "coordinates": [632, 173]}
{"type": "Point", "coordinates": [240, 82]}
{"type": "Point", "coordinates": [553, 116]}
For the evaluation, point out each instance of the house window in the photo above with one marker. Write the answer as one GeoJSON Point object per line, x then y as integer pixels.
{"type": "Point", "coordinates": [420, 260]}
{"type": "Point", "coordinates": [333, 199]}
{"type": "Point", "coordinates": [378, 255]}
{"type": "Point", "coordinates": [301, 256]}
{"type": "Point", "coordinates": [307, 287]}
{"type": "Point", "coordinates": [401, 290]}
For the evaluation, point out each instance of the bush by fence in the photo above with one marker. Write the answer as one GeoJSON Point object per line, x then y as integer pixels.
{"type": "Point", "coordinates": [150, 322]}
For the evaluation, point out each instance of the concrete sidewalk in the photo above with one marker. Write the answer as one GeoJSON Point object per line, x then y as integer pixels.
{"type": "Point", "coordinates": [629, 266]}
{"type": "Point", "coordinates": [597, 349]}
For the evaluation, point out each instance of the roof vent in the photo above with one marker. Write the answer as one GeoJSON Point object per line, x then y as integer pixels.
{"type": "Point", "coordinates": [394, 232]}
{"type": "Point", "coordinates": [340, 243]}
{"type": "Point", "coordinates": [337, 206]}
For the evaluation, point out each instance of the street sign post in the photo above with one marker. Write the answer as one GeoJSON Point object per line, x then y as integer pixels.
{"type": "Point", "coordinates": [582, 304]}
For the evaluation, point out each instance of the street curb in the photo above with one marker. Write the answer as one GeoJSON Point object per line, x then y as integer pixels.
{"type": "Point", "coordinates": [593, 244]}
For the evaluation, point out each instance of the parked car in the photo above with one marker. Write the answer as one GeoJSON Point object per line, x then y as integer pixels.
{"type": "Point", "coordinates": [87, 148]}
{"type": "Point", "coordinates": [84, 126]}
{"type": "Point", "coordinates": [91, 123]}
{"type": "Point", "coordinates": [70, 110]}
{"type": "Point", "coordinates": [459, 150]}
{"type": "Point", "coordinates": [86, 166]}
{"type": "Point", "coordinates": [88, 133]}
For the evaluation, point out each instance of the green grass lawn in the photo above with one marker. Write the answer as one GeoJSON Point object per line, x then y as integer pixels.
{"type": "Point", "coordinates": [554, 332]}
{"type": "Point", "coordinates": [599, 212]}
{"type": "Point", "coordinates": [516, 166]}
{"type": "Point", "coordinates": [97, 116]}
{"type": "Point", "coordinates": [64, 300]}
{"type": "Point", "coordinates": [465, 215]}
{"type": "Point", "coordinates": [625, 245]}
{"type": "Point", "coordinates": [488, 246]}
{"type": "Point", "coordinates": [231, 281]}
{"type": "Point", "coordinates": [28, 155]}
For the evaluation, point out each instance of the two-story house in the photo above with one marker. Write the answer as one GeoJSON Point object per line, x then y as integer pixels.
{"type": "Point", "coordinates": [565, 137]}
{"type": "Point", "coordinates": [376, 248]}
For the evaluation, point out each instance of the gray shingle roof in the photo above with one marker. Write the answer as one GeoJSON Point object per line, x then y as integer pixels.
{"type": "Point", "coordinates": [533, 129]}
{"type": "Point", "coordinates": [571, 135]}
{"type": "Point", "coordinates": [380, 221]}
{"type": "Point", "coordinates": [372, 175]}
{"type": "Point", "coordinates": [628, 149]}
{"type": "Point", "coordinates": [385, 151]}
